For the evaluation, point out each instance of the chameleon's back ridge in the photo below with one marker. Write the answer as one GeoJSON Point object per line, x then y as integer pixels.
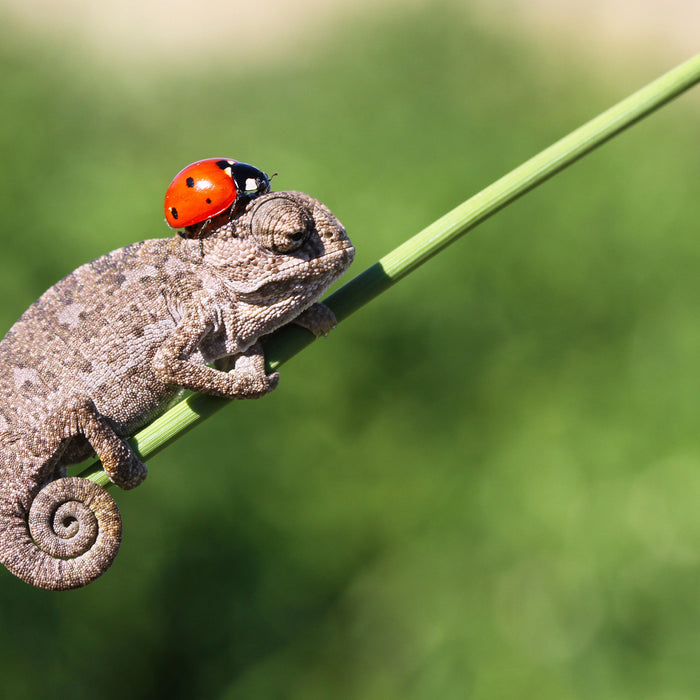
{"type": "Point", "coordinates": [105, 350]}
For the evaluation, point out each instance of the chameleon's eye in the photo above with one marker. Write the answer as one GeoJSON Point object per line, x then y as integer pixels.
{"type": "Point", "coordinates": [279, 224]}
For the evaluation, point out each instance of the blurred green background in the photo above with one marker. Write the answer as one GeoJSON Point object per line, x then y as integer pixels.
{"type": "Point", "coordinates": [486, 483]}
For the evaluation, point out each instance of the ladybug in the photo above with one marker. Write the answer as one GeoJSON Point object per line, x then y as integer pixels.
{"type": "Point", "coordinates": [209, 187]}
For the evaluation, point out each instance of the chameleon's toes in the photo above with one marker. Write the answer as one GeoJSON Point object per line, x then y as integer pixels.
{"type": "Point", "coordinates": [273, 380]}
{"type": "Point", "coordinates": [257, 385]}
{"type": "Point", "coordinates": [129, 474]}
{"type": "Point", "coordinates": [319, 319]}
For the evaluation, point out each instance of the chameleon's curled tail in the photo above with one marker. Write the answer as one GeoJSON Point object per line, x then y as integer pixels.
{"type": "Point", "coordinates": [70, 537]}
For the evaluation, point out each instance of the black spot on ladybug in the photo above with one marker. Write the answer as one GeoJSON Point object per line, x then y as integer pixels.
{"type": "Point", "coordinates": [223, 164]}
{"type": "Point", "coordinates": [173, 211]}
{"type": "Point", "coordinates": [190, 182]}
{"type": "Point", "coordinates": [208, 200]}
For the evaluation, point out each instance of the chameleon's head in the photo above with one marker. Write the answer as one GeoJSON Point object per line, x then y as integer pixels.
{"type": "Point", "coordinates": [283, 238]}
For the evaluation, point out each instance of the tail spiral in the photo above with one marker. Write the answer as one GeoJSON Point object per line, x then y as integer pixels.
{"type": "Point", "coordinates": [70, 538]}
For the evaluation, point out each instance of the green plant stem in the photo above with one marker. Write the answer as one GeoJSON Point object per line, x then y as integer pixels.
{"type": "Point", "coordinates": [288, 341]}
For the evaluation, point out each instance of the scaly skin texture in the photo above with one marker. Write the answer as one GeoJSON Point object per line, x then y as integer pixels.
{"type": "Point", "coordinates": [106, 350]}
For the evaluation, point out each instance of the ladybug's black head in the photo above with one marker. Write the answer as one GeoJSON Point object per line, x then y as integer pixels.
{"type": "Point", "coordinates": [250, 182]}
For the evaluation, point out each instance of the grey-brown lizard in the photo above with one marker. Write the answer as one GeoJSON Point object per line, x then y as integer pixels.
{"type": "Point", "coordinates": [105, 350]}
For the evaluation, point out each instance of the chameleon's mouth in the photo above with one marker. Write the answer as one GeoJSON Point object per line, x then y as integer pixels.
{"type": "Point", "coordinates": [331, 265]}
{"type": "Point", "coordinates": [323, 270]}
{"type": "Point", "coordinates": [340, 258]}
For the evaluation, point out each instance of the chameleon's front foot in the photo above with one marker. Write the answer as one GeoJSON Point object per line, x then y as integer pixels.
{"type": "Point", "coordinates": [247, 374]}
{"type": "Point", "coordinates": [240, 376]}
{"type": "Point", "coordinates": [318, 318]}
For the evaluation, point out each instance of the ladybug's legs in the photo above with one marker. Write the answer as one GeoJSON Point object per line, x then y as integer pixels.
{"type": "Point", "coordinates": [200, 236]}
{"type": "Point", "coordinates": [197, 231]}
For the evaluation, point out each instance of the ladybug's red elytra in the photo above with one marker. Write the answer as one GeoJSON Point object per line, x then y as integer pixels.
{"type": "Point", "coordinates": [208, 187]}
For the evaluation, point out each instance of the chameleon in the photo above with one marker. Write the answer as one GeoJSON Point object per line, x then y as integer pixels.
{"type": "Point", "coordinates": [108, 348]}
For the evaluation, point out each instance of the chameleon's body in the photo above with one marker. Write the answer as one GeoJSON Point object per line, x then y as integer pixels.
{"type": "Point", "coordinates": [102, 352]}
